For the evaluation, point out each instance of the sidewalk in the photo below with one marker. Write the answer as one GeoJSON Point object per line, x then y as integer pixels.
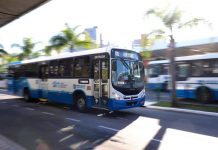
{"type": "Point", "coordinates": [6, 144]}
{"type": "Point", "coordinates": [149, 105]}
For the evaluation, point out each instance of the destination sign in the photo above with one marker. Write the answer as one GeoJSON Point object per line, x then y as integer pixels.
{"type": "Point", "coordinates": [120, 53]}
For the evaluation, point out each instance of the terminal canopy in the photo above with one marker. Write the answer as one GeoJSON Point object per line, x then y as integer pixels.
{"type": "Point", "coordinates": [13, 9]}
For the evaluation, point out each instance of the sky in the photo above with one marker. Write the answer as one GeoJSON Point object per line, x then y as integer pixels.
{"type": "Point", "coordinates": [119, 21]}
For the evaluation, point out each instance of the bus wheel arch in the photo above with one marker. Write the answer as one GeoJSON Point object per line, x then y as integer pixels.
{"type": "Point", "coordinates": [79, 99]}
{"type": "Point", "coordinates": [204, 94]}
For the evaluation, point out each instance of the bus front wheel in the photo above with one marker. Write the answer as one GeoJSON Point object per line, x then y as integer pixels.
{"type": "Point", "coordinates": [26, 95]}
{"type": "Point", "coordinates": [204, 95]}
{"type": "Point", "coordinates": [81, 103]}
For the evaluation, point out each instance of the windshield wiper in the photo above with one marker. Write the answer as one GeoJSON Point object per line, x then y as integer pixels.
{"type": "Point", "coordinates": [131, 75]}
{"type": "Point", "coordinates": [125, 64]}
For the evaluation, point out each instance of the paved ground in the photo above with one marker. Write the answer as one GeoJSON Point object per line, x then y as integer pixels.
{"type": "Point", "coordinates": [45, 126]}
{"type": "Point", "coordinates": [157, 96]}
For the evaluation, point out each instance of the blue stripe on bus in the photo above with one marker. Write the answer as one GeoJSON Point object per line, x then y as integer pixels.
{"type": "Point", "coordinates": [154, 86]}
{"type": "Point", "coordinates": [192, 94]}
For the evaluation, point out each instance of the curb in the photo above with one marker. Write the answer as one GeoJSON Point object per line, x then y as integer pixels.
{"type": "Point", "coordinates": [185, 110]}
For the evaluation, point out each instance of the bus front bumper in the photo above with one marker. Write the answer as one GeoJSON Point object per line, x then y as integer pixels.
{"type": "Point", "coordinates": [114, 104]}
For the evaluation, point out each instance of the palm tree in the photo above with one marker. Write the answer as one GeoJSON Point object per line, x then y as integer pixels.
{"type": "Point", "coordinates": [2, 51]}
{"type": "Point", "coordinates": [27, 49]}
{"type": "Point", "coordinates": [148, 39]}
{"type": "Point", "coordinates": [172, 20]}
{"type": "Point", "coordinates": [68, 38]}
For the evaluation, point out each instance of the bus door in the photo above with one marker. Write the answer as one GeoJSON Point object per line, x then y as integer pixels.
{"type": "Point", "coordinates": [43, 81]}
{"type": "Point", "coordinates": [101, 82]}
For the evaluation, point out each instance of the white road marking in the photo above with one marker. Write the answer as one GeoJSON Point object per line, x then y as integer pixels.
{"type": "Point", "coordinates": [156, 140]}
{"type": "Point", "coordinates": [66, 129]}
{"type": "Point", "coordinates": [65, 138]}
{"type": "Point", "coordinates": [27, 108]}
{"type": "Point", "coordinates": [4, 102]}
{"type": "Point", "coordinates": [72, 119]}
{"type": "Point", "coordinates": [108, 128]}
{"type": "Point", "coordinates": [122, 118]}
{"type": "Point", "coordinates": [3, 90]}
{"type": "Point", "coordinates": [48, 113]}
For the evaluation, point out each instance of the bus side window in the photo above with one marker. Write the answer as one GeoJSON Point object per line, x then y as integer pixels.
{"type": "Point", "coordinates": [215, 67]}
{"type": "Point", "coordinates": [206, 68]}
{"type": "Point", "coordinates": [17, 72]}
{"type": "Point", "coordinates": [65, 67]}
{"type": "Point", "coordinates": [53, 68]}
{"type": "Point", "coordinates": [82, 67]}
{"type": "Point", "coordinates": [196, 69]}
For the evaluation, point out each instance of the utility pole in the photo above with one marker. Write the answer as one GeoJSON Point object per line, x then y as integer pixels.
{"type": "Point", "coordinates": [172, 70]}
{"type": "Point", "coordinates": [101, 40]}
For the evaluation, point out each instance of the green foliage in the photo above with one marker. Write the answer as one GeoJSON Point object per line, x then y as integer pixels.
{"type": "Point", "coordinates": [69, 38]}
{"type": "Point", "coordinates": [27, 49]}
{"type": "Point", "coordinates": [2, 51]}
{"type": "Point", "coordinates": [172, 18]}
{"type": "Point", "coordinates": [145, 54]}
{"type": "Point", "coordinates": [148, 39]}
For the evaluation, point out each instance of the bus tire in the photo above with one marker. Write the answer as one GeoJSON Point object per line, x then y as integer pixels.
{"type": "Point", "coordinates": [81, 103]}
{"type": "Point", "coordinates": [165, 85]}
{"type": "Point", "coordinates": [204, 95]}
{"type": "Point", "coordinates": [26, 95]}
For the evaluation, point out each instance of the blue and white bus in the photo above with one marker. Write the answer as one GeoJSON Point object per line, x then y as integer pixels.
{"type": "Point", "coordinates": [108, 78]}
{"type": "Point", "coordinates": [197, 77]}
{"type": "Point", "coordinates": [158, 75]}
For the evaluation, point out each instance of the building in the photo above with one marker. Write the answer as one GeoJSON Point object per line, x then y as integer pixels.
{"type": "Point", "coordinates": [92, 32]}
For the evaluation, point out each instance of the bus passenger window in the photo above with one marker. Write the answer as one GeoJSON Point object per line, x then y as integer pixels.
{"type": "Point", "coordinates": [196, 69]}
{"type": "Point", "coordinates": [215, 68]}
{"type": "Point", "coordinates": [82, 67]}
{"type": "Point", "coordinates": [53, 68]}
{"type": "Point", "coordinates": [65, 68]}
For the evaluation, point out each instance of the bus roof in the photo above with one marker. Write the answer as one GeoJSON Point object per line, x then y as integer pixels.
{"type": "Point", "coordinates": [68, 55]}
{"type": "Point", "coordinates": [185, 58]}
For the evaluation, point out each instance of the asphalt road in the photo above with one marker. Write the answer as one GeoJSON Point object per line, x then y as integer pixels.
{"type": "Point", "coordinates": [50, 127]}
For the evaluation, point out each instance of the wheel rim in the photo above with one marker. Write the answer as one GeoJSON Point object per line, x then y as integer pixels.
{"type": "Point", "coordinates": [80, 103]}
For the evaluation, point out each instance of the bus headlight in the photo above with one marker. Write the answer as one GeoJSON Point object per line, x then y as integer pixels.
{"type": "Point", "coordinates": [142, 94]}
{"type": "Point", "coordinates": [117, 96]}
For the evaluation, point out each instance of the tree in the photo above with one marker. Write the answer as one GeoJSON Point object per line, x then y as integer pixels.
{"type": "Point", "coordinates": [172, 20]}
{"type": "Point", "coordinates": [148, 39]}
{"type": "Point", "coordinates": [2, 51]}
{"type": "Point", "coordinates": [68, 38]}
{"type": "Point", "coordinates": [27, 49]}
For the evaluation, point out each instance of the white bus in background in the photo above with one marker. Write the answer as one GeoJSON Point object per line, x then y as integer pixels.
{"type": "Point", "coordinates": [196, 76]}
{"type": "Point", "coordinates": [158, 75]}
{"type": "Point", "coordinates": [109, 78]}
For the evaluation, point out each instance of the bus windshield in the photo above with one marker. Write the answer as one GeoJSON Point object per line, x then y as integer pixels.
{"type": "Point", "coordinates": [127, 74]}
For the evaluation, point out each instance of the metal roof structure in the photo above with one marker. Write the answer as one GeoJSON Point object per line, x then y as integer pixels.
{"type": "Point", "coordinates": [13, 9]}
{"type": "Point", "coordinates": [186, 48]}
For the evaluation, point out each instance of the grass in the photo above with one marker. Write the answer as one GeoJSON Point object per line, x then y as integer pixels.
{"type": "Point", "coordinates": [202, 107]}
